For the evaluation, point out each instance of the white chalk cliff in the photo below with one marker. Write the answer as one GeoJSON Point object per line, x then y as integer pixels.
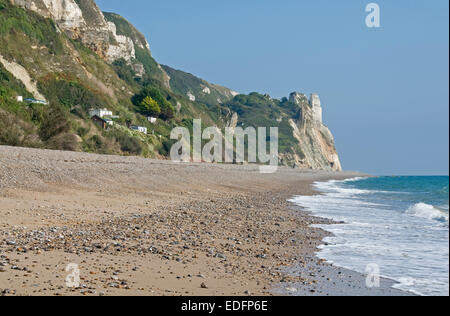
{"type": "Point", "coordinates": [83, 20]}
{"type": "Point", "coordinates": [315, 139]}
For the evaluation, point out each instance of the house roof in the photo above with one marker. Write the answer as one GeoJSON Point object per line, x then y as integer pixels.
{"type": "Point", "coordinates": [98, 118]}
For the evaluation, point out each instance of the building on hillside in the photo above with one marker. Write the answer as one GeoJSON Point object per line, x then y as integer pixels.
{"type": "Point", "coordinates": [140, 129]}
{"type": "Point", "coordinates": [34, 101]}
{"type": "Point", "coordinates": [151, 119]}
{"type": "Point", "coordinates": [100, 113]}
{"type": "Point", "coordinates": [109, 121]}
{"type": "Point", "coordinates": [100, 122]}
{"type": "Point", "coordinates": [19, 98]}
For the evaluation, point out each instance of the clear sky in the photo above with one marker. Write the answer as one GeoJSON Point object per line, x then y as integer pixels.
{"type": "Point", "coordinates": [384, 91]}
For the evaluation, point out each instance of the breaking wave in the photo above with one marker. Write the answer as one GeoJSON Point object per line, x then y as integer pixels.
{"type": "Point", "coordinates": [427, 211]}
{"type": "Point", "coordinates": [390, 221]}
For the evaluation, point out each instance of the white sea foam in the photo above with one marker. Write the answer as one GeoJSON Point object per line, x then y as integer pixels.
{"type": "Point", "coordinates": [410, 247]}
{"type": "Point", "coordinates": [424, 210]}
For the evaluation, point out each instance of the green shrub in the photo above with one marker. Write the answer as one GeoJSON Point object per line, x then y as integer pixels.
{"type": "Point", "coordinates": [16, 132]}
{"type": "Point", "coordinates": [80, 112]}
{"type": "Point", "coordinates": [37, 113]}
{"type": "Point", "coordinates": [55, 122]}
{"type": "Point", "coordinates": [129, 144]}
{"type": "Point", "coordinates": [167, 110]}
{"type": "Point", "coordinates": [124, 71]}
{"type": "Point", "coordinates": [82, 131]}
{"type": "Point", "coordinates": [70, 93]}
{"type": "Point", "coordinates": [63, 141]}
{"type": "Point", "coordinates": [10, 134]}
{"type": "Point", "coordinates": [150, 107]}
{"type": "Point", "coordinates": [164, 150]}
{"type": "Point", "coordinates": [99, 145]}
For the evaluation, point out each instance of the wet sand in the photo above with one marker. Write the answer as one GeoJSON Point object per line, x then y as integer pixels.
{"type": "Point", "coordinates": [146, 227]}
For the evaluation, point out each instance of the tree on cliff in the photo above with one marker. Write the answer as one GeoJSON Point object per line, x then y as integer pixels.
{"type": "Point", "coordinates": [150, 107]}
{"type": "Point", "coordinates": [166, 108]}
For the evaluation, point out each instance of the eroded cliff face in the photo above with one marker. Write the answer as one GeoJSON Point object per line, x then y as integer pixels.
{"type": "Point", "coordinates": [83, 20]}
{"type": "Point", "coordinates": [316, 141]}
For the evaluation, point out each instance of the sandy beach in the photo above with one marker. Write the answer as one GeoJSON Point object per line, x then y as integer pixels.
{"type": "Point", "coordinates": [145, 227]}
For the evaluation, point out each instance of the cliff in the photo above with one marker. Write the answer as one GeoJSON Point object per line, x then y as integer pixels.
{"type": "Point", "coordinates": [315, 139]}
{"type": "Point", "coordinates": [82, 20]}
{"type": "Point", "coordinates": [76, 57]}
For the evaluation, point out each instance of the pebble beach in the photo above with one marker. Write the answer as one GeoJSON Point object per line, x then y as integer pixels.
{"type": "Point", "coordinates": [136, 226]}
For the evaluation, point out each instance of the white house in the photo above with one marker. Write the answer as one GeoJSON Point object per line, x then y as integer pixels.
{"type": "Point", "coordinates": [140, 129]}
{"type": "Point", "coordinates": [100, 112]}
{"type": "Point", "coordinates": [151, 119]}
{"type": "Point", "coordinates": [20, 98]}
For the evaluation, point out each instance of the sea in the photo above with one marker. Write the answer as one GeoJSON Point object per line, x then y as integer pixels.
{"type": "Point", "coordinates": [399, 225]}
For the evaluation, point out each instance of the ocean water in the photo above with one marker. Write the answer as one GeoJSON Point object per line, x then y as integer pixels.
{"type": "Point", "coordinates": [400, 224]}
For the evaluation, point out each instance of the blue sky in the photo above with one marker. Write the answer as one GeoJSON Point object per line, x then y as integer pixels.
{"type": "Point", "coordinates": [385, 91]}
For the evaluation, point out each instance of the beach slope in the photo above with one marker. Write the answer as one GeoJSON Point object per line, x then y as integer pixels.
{"type": "Point", "coordinates": [135, 226]}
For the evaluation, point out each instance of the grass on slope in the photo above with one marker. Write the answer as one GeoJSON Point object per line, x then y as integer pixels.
{"type": "Point", "coordinates": [183, 83]}
{"type": "Point", "coordinates": [258, 110]}
{"type": "Point", "coordinates": [14, 19]}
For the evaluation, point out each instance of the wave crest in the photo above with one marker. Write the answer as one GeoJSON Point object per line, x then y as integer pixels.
{"type": "Point", "coordinates": [427, 211]}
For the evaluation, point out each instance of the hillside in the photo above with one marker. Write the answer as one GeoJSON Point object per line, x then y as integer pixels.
{"type": "Point", "coordinates": [73, 58]}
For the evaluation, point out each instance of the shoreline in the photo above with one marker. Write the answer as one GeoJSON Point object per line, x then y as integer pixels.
{"type": "Point", "coordinates": [136, 226]}
{"type": "Point", "coordinates": [337, 271]}
{"type": "Point", "coordinates": [322, 278]}
{"type": "Point", "coordinates": [331, 279]}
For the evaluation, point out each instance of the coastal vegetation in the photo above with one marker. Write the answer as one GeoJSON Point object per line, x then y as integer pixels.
{"type": "Point", "coordinates": [152, 103]}
{"type": "Point", "coordinates": [16, 20]}
{"type": "Point", "coordinates": [71, 69]}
